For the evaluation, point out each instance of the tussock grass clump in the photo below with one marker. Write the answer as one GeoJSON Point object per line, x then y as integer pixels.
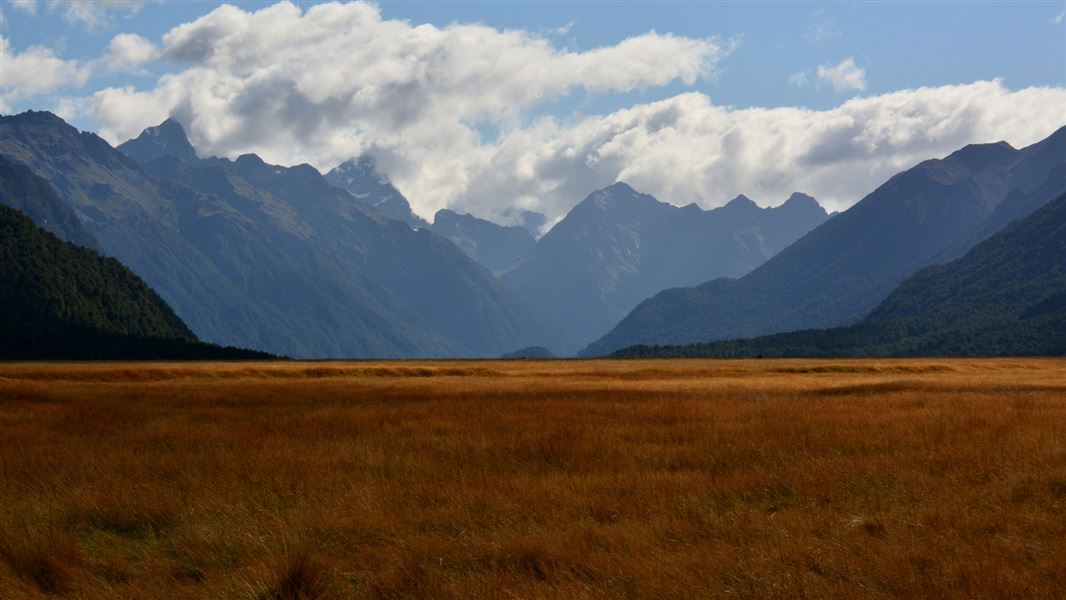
{"type": "Point", "coordinates": [52, 560]}
{"type": "Point", "coordinates": [301, 577]}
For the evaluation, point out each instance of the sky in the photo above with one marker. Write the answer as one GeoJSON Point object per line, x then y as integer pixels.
{"type": "Point", "coordinates": [483, 107]}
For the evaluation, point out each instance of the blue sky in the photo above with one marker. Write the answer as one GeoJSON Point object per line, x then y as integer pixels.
{"type": "Point", "coordinates": [770, 55]}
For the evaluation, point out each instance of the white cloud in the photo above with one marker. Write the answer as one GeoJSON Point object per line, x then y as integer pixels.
{"type": "Point", "coordinates": [29, 6]}
{"type": "Point", "coordinates": [326, 85]}
{"type": "Point", "coordinates": [686, 149]}
{"type": "Point", "coordinates": [129, 50]}
{"type": "Point", "coordinates": [799, 79]}
{"type": "Point", "coordinates": [70, 108]}
{"type": "Point", "coordinates": [35, 70]}
{"type": "Point", "coordinates": [564, 29]}
{"type": "Point", "coordinates": [844, 76]}
{"type": "Point", "coordinates": [1059, 18]}
{"type": "Point", "coordinates": [39, 70]}
{"type": "Point", "coordinates": [330, 82]}
{"type": "Point", "coordinates": [94, 15]}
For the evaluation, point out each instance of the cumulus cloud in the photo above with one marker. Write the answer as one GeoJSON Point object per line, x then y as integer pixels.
{"type": "Point", "coordinates": [846, 76]}
{"type": "Point", "coordinates": [687, 149]}
{"type": "Point", "coordinates": [35, 70]}
{"type": "Point", "coordinates": [330, 83]}
{"type": "Point", "coordinates": [39, 70]}
{"type": "Point", "coordinates": [70, 108]}
{"type": "Point", "coordinates": [128, 51]}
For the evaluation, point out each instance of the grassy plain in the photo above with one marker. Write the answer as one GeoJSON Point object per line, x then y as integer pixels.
{"type": "Point", "coordinates": [582, 479]}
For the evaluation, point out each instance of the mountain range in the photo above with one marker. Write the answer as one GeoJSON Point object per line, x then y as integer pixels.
{"type": "Point", "coordinates": [497, 247]}
{"type": "Point", "coordinates": [1006, 296]}
{"type": "Point", "coordinates": [360, 177]}
{"type": "Point", "coordinates": [840, 271]}
{"type": "Point", "coordinates": [274, 258]}
{"type": "Point", "coordinates": [244, 253]}
{"type": "Point", "coordinates": [618, 247]}
{"type": "Point", "coordinates": [491, 245]}
{"type": "Point", "coordinates": [21, 190]}
{"type": "Point", "coordinates": [64, 301]}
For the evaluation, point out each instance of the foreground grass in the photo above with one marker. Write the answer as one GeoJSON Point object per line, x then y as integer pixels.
{"type": "Point", "coordinates": [534, 479]}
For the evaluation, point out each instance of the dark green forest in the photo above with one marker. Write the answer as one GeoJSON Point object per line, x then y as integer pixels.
{"type": "Point", "coordinates": [63, 301]}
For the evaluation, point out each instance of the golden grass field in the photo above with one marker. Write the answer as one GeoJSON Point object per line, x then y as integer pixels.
{"type": "Point", "coordinates": [579, 479]}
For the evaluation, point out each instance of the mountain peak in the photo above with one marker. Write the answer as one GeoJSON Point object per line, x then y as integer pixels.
{"type": "Point", "coordinates": [741, 201]}
{"type": "Point", "coordinates": [619, 187]}
{"type": "Point", "coordinates": [616, 195]}
{"type": "Point", "coordinates": [170, 129]}
{"type": "Point", "coordinates": [250, 160]}
{"type": "Point", "coordinates": [799, 199]}
{"type": "Point", "coordinates": [977, 157]}
{"type": "Point", "coordinates": [40, 116]}
{"type": "Point", "coordinates": [167, 138]}
{"type": "Point", "coordinates": [1057, 137]}
{"type": "Point", "coordinates": [445, 213]}
{"type": "Point", "coordinates": [361, 178]}
{"type": "Point", "coordinates": [531, 221]}
{"type": "Point", "coordinates": [802, 204]}
{"type": "Point", "coordinates": [362, 166]}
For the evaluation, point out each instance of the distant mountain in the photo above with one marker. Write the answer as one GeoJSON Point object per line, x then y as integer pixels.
{"type": "Point", "coordinates": [62, 301]}
{"type": "Point", "coordinates": [166, 139]}
{"type": "Point", "coordinates": [137, 220]}
{"type": "Point", "coordinates": [531, 221]}
{"type": "Point", "coordinates": [618, 247]}
{"type": "Point", "coordinates": [362, 180]}
{"type": "Point", "coordinates": [840, 271]}
{"type": "Point", "coordinates": [1007, 296]}
{"type": "Point", "coordinates": [257, 255]}
{"type": "Point", "coordinates": [494, 246]}
{"type": "Point", "coordinates": [22, 190]}
{"type": "Point", "coordinates": [1038, 176]}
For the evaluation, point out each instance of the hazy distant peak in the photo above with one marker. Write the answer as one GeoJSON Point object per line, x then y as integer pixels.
{"type": "Point", "coordinates": [495, 246]}
{"type": "Point", "coordinates": [361, 178]}
{"type": "Point", "coordinates": [799, 200]}
{"type": "Point", "coordinates": [250, 160]}
{"type": "Point", "coordinates": [529, 220]}
{"type": "Point", "coordinates": [619, 188]}
{"type": "Point", "coordinates": [618, 195]}
{"type": "Point", "coordinates": [166, 139]}
{"type": "Point", "coordinates": [304, 170]}
{"type": "Point", "coordinates": [363, 166]}
{"type": "Point", "coordinates": [741, 202]}
{"type": "Point", "coordinates": [977, 157]}
{"type": "Point", "coordinates": [447, 212]}
{"type": "Point", "coordinates": [169, 128]}
{"type": "Point", "coordinates": [802, 198]}
{"type": "Point", "coordinates": [39, 116]}
{"type": "Point", "coordinates": [169, 132]}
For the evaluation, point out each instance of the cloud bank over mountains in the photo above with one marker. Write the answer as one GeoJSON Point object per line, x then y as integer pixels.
{"type": "Point", "coordinates": [328, 83]}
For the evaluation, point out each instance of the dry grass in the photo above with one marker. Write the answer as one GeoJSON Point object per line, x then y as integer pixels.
{"type": "Point", "coordinates": [888, 478]}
